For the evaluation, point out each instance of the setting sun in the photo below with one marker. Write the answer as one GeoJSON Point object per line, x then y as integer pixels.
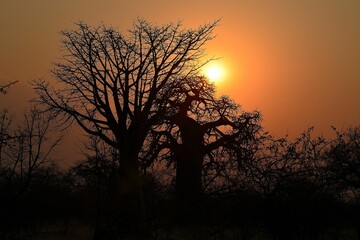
{"type": "Point", "coordinates": [214, 73]}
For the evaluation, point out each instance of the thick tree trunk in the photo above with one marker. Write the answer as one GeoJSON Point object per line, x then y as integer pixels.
{"type": "Point", "coordinates": [188, 173]}
{"type": "Point", "coordinates": [189, 161]}
{"type": "Point", "coordinates": [130, 196]}
{"type": "Point", "coordinates": [123, 215]}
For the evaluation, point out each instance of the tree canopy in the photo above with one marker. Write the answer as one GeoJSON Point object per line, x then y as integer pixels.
{"type": "Point", "coordinates": [111, 82]}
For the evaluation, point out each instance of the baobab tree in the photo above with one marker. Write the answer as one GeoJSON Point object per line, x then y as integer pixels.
{"type": "Point", "coordinates": [110, 83]}
{"type": "Point", "coordinates": [197, 124]}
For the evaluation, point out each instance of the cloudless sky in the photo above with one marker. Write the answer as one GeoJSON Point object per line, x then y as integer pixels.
{"type": "Point", "coordinates": [298, 61]}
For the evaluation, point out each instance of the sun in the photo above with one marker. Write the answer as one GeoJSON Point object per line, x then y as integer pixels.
{"type": "Point", "coordinates": [214, 73]}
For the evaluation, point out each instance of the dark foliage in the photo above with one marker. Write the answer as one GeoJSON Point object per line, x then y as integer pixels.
{"type": "Point", "coordinates": [290, 195]}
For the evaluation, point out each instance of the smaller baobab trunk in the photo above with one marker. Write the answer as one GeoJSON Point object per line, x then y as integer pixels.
{"type": "Point", "coordinates": [188, 154]}
{"type": "Point", "coordinates": [189, 160]}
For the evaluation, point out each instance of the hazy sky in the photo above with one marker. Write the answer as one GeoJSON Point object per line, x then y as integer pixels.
{"type": "Point", "coordinates": [298, 62]}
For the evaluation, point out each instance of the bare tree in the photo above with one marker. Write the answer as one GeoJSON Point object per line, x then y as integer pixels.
{"type": "Point", "coordinates": [6, 120]}
{"type": "Point", "coordinates": [344, 159]}
{"type": "Point", "coordinates": [110, 83]}
{"type": "Point", "coordinates": [197, 125]}
{"type": "Point", "coordinates": [24, 148]}
{"type": "Point", "coordinates": [344, 166]}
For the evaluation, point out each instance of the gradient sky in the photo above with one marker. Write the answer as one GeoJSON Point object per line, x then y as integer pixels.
{"type": "Point", "coordinates": [298, 62]}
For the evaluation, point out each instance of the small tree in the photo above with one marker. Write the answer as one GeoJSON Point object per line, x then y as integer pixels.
{"type": "Point", "coordinates": [24, 148]}
{"type": "Point", "coordinates": [25, 155]}
{"type": "Point", "coordinates": [344, 158]}
{"type": "Point", "coordinates": [344, 167]}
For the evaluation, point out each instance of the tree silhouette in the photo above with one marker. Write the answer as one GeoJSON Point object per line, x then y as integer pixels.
{"type": "Point", "coordinates": [197, 124]}
{"type": "Point", "coordinates": [344, 169]}
{"type": "Point", "coordinates": [110, 84]}
{"type": "Point", "coordinates": [24, 148]}
{"type": "Point", "coordinates": [344, 158]}
{"type": "Point", "coordinates": [25, 152]}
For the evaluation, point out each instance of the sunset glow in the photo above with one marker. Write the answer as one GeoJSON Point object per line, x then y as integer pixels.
{"type": "Point", "coordinates": [265, 56]}
{"type": "Point", "coordinates": [180, 119]}
{"type": "Point", "coordinates": [214, 73]}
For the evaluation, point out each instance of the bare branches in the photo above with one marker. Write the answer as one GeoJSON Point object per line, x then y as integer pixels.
{"type": "Point", "coordinates": [111, 83]}
{"type": "Point", "coordinates": [25, 147]}
{"type": "Point", "coordinates": [4, 88]}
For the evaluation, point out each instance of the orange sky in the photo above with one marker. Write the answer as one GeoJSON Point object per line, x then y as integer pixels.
{"type": "Point", "coordinates": [298, 62]}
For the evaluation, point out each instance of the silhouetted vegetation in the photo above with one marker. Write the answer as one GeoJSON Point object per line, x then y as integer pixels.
{"type": "Point", "coordinates": [165, 157]}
